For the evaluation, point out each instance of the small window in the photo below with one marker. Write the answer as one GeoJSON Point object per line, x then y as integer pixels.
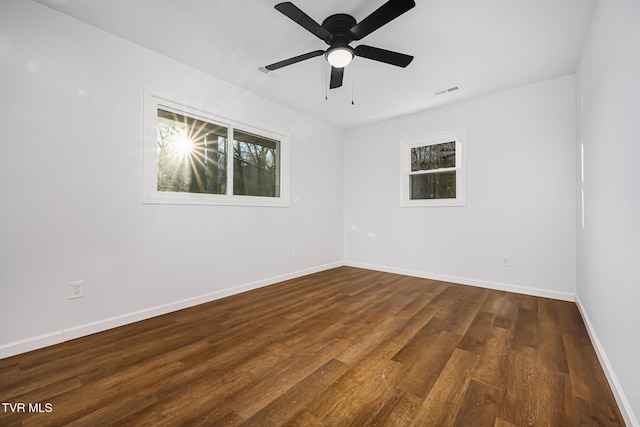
{"type": "Point", "coordinates": [192, 157]}
{"type": "Point", "coordinates": [432, 170]}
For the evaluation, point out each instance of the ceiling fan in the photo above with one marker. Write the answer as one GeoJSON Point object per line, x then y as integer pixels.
{"type": "Point", "coordinates": [341, 29]}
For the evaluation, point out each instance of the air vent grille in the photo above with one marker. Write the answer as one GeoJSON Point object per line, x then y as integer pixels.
{"type": "Point", "coordinates": [451, 89]}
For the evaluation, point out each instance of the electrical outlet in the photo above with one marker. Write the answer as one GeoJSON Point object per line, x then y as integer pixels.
{"type": "Point", "coordinates": [505, 261]}
{"type": "Point", "coordinates": [294, 252]}
{"type": "Point", "coordinates": [76, 289]}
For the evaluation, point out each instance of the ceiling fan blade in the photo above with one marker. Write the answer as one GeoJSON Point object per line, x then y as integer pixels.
{"type": "Point", "coordinates": [336, 77]}
{"type": "Point", "coordinates": [383, 15]}
{"type": "Point", "coordinates": [383, 55]}
{"type": "Point", "coordinates": [293, 60]}
{"type": "Point", "coordinates": [294, 13]}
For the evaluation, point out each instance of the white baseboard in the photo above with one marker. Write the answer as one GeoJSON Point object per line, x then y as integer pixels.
{"type": "Point", "coordinates": [623, 403]}
{"type": "Point", "coordinates": [31, 343]}
{"type": "Point", "coordinates": [545, 293]}
{"type": "Point", "coordinates": [56, 337]}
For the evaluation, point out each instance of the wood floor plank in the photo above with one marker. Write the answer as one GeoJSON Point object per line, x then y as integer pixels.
{"type": "Point", "coordinates": [415, 323]}
{"type": "Point", "coordinates": [526, 328]}
{"type": "Point", "coordinates": [460, 316]}
{"type": "Point", "coordinates": [288, 404]}
{"type": "Point", "coordinates": [585, 373]}
{"type": "Point", "coordinates": [520, 405]}
{"type": "Point", "coordinates": [442, 405]}
{"type": "Point", "coordinates": [506, 312]}
{"type": "Point", "coordinates": [492, 367]}
{"type": "Point", "coordinates": [426, 371]}
{"type": "Point", "coordinates": [493, 301]}
{"type": "Point", "coordinates": [367, 341]}
{"type": "Point", "coordinates": [116, 411]}
{"type": "Point", "coordinates": [368, 386]}
{"type": "Point", "coordinates": [416, 304]}
{"type": "Point", "coordinates": [556, 405]}
{"type": "Point", "coordinates": [551, 351]}
{"type": "Point", "coordinates": [598, 413]}
{"type": "Point", "coordinates": [31, 376]}
{"type": "Point", "coordinates": [502, 423]}
{"type": "Point", "coordinates": [342, 347]}
{"type": "Point", "coordinates": [398, 411]}
{"type": "Point", "coordinates": [208, 388]}
{"type": "Point", "coordinates": [479, 405]}
{"type": "Point", "coordinates": [474, 339]}
{"type": "Point", "coordinates": [278, 379]}
{"type": "Point", "coordinates": [418, 345]}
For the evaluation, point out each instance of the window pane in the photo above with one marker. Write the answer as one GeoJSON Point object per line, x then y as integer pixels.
{"type": "Point", "coordinates": [433, 156]}
{"type": "Point", "coordinates": [191, 154]}
{"type": "Point", "coordinates": [439, 185]}
{"type": "Point", "coordinates": [256, 165]}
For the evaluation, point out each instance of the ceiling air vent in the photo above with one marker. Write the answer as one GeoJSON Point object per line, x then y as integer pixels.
{"type": "Point", "coordinates": [451, 89]}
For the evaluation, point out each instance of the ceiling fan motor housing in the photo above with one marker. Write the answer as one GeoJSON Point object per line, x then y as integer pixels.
{"type": "Point", "coordinates": [339, 25]}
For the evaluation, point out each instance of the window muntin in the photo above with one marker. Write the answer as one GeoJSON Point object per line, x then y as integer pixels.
{"type": "Point", "coordinates": [432, 169]}
{"type": "Point", "coordinates": [192, 157]}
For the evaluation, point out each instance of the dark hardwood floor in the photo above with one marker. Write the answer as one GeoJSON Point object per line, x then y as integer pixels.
{"type": "Point", "coordinates": [344, 347]}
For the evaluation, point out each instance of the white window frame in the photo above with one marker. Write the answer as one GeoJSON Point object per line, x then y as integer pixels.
{"type": "Point", "coordinates": [150, 193]}
{"type": "Point", "coordinates": [457, 135]}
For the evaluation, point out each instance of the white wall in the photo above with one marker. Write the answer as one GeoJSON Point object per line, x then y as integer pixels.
{"type": "Point", "coordinates": [71, 128]}
{"type": "Point", "coordinates": [608, 283]}
{"type": "Point", "coordinates": [520, 173]}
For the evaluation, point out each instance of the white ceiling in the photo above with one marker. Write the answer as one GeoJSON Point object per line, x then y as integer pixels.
{"type": "Point", "coordinates": [481, 46]}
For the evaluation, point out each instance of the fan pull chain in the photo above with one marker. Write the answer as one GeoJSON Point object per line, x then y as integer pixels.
{"type": "Point", "coordinates": [326, 83]}
{"type": "Point", "coordinates": [353, 80]}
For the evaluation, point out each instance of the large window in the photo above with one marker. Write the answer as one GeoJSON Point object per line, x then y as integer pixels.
{"type": "Point", "coordinates": [192, 157]}
{"type": "Point", "coordinates": [432, 170]}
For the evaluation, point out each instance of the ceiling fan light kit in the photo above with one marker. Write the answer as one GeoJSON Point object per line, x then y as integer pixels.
{"type": "Point", "coordinates": [339, 57]}
{"type": "Point", "coordinates": [339, 30]}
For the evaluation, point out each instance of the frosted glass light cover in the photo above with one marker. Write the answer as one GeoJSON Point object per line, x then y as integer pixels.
{"type": "Point", "coordinates": [339, 57]}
